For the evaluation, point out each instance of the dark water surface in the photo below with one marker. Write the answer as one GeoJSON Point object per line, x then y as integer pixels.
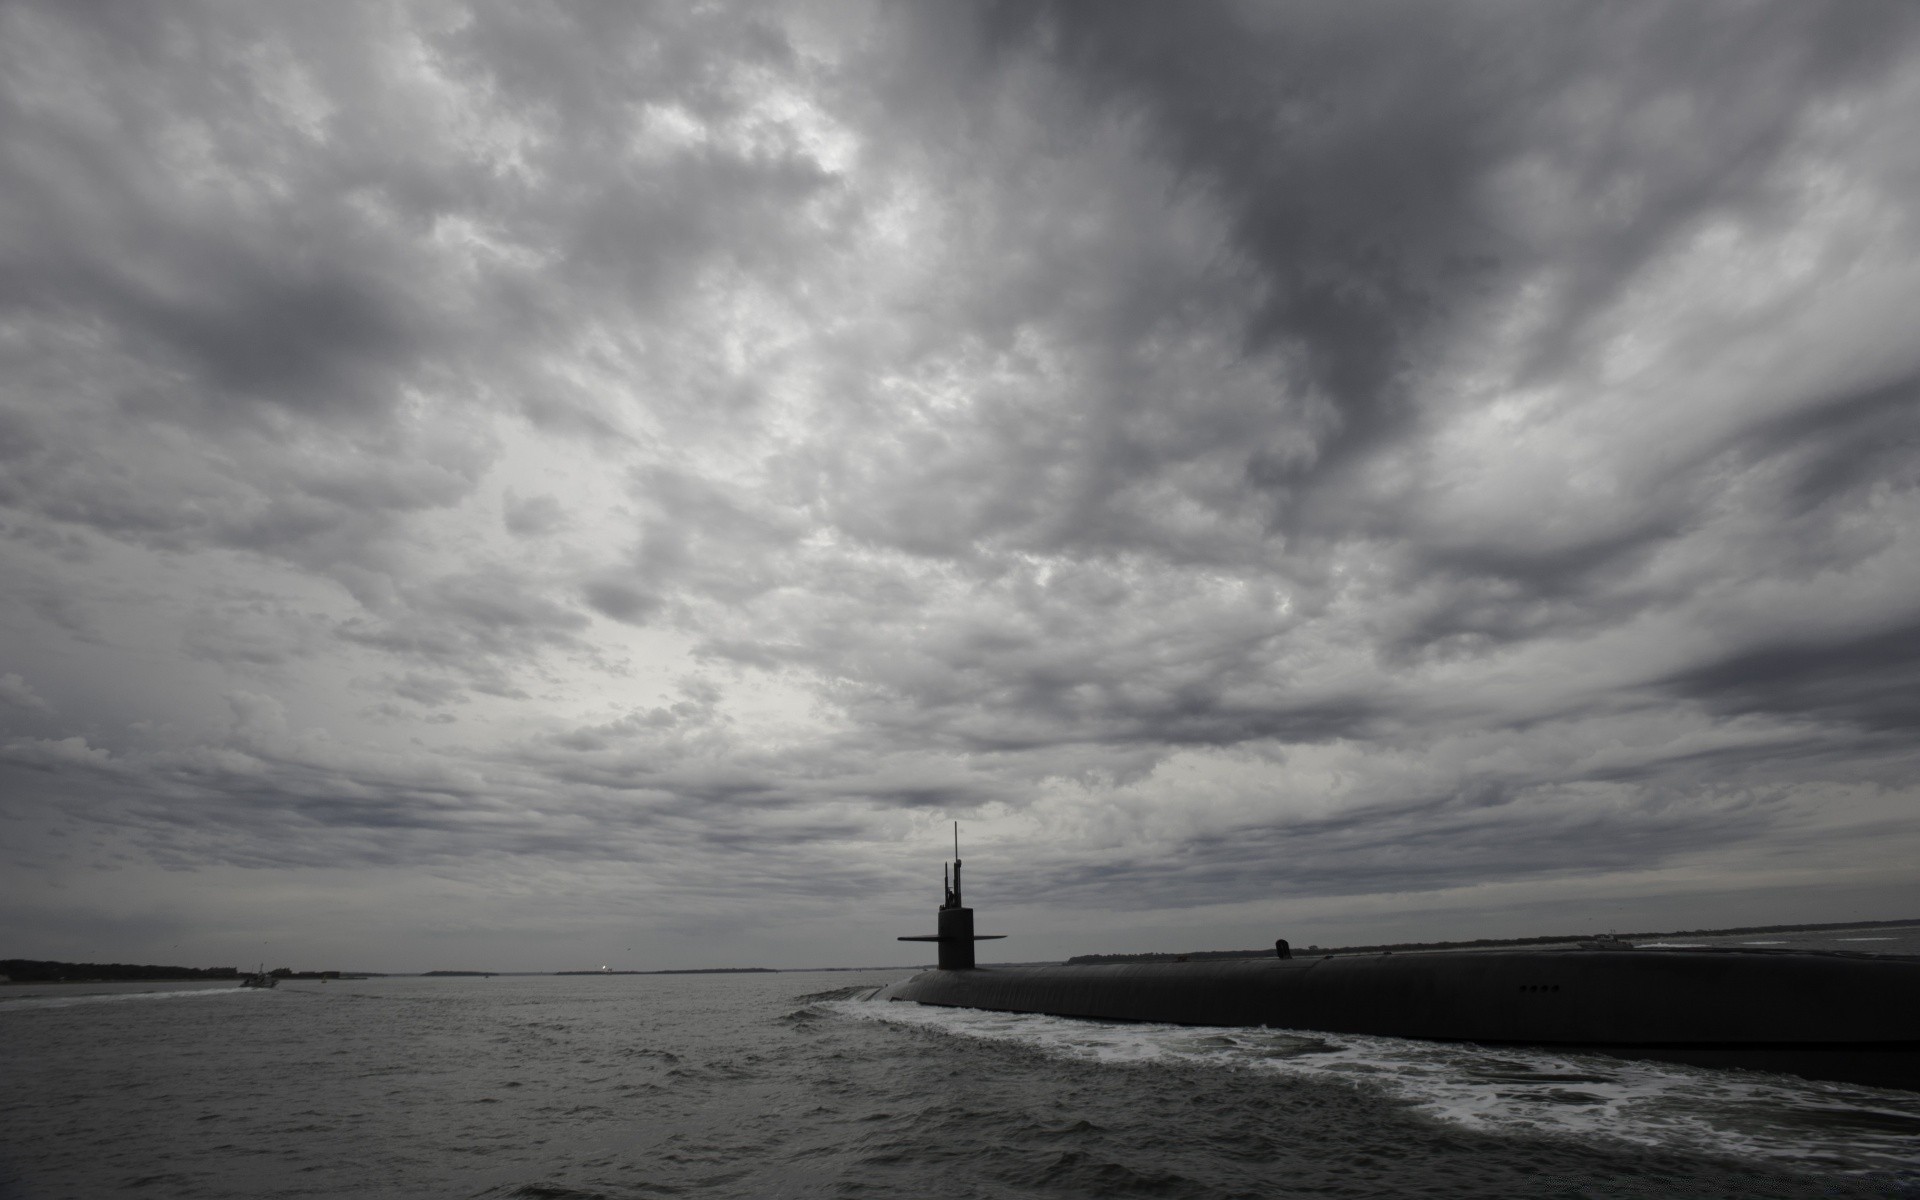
{"type": "Point", "coordinates": [785, 1085]}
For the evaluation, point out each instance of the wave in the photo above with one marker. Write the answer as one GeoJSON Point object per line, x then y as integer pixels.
{"type": "Point", "coordinates": [1504, 1091]}
{"type": "Point", "coordinates": [35, 1003]}
{"type": "Point", "coordinates": [859, 991]}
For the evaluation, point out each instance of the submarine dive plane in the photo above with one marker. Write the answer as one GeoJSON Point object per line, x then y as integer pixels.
{"type": "Point", "coordinates": [1821, 1014]}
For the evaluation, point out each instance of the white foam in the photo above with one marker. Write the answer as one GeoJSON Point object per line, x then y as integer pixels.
{"type": "Point", "coordinates": [1500, 1090]}
{"type": "Point", "coordinates": [1871, 939]}
{"type": "Point", "coordinates": [25, 1003]}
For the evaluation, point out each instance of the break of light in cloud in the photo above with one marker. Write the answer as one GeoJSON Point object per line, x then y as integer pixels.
{"type": "Point", "coordinates": [550, 486]}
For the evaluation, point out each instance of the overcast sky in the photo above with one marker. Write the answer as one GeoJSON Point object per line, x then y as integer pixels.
{"type": "Point", "coordinates": [533, 486]}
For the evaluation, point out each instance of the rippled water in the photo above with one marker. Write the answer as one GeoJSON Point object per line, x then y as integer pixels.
{"type": "Point", "coordinates": [787, 1085]}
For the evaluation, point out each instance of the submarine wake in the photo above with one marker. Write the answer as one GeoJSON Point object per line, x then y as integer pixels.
{"type": "Point", "coordinates": [1501, 1091]}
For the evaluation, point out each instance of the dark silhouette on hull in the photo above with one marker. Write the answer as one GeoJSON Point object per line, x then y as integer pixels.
{"type": "Point", "coordinates": [1825, 1015]}
{"type": "Point", "coordinates": [956, 936]}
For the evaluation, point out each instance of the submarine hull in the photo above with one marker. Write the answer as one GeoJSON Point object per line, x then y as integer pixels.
{"type": "Point", "coordinates": [1829, 1016]}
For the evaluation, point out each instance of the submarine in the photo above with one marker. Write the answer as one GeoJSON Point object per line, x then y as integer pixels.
{"type": "Point", "coordinates": [1832, 1015]}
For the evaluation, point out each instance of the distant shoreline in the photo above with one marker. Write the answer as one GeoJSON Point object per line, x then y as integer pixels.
{"type": "Point", "coordinates": [124, 973]}
{"type": "Point", "coordinates": [686, 971]}
{"type": "Point", "coordinates": [1481, 943]}
{"type": "Point", "coordinates": [40, 970]}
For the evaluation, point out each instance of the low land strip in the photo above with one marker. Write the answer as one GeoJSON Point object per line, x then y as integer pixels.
{"type": "Point", "coordinates": [1478, 943]}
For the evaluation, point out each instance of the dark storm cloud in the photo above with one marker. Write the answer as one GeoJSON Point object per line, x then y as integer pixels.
{"type": "Point", "coordinates": [1848, 445]}
{"type": "Point", "coordinates": [1868, 679]}
{"type": "Point", "coordinates": [1359, 159]}
{"type": "Point", "coordinates": [286, 304]}
{"type": "Point", "coordinates": [301, 271]}
{"type": "Point", "coordinates": [614, 597]}
{"type": "Point", "coordinates": [1436, 844]}
{"type": "Point", "coordinates": [483, 613]}
{"type": "Point", "coordinates": [1345, 147]}
{"type": "Point", "coordinates": [232, 252]}
{"type": "Point", "coordinates": [1354, 151]}
{"type": "Point", "coordinates": [1815, 471]}
{"type": "Point", "coordinates": [1015, 689]}
{"type": "Point", "coordinates": [268, 795]}
{"type": "Point", "coordinates": [1355, 154]}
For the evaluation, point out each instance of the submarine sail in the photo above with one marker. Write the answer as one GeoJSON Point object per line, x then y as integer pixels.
{"type": "Point", "coordinates": [955, 922]}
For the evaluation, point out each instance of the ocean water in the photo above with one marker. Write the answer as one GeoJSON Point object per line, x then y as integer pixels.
{"type": "Point", "coordinates": [791, 1085]}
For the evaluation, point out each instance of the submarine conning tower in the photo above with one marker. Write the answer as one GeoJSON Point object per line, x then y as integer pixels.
{"type": "Point", "coordinates": [956, 936]}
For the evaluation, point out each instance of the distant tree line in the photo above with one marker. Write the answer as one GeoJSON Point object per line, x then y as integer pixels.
{"type": "Point", "coordinates": [680, 971]}
{"type": "Point", "coordinates": [29, 970]}
{"type": "Point", "coordinates": [1476, 943]}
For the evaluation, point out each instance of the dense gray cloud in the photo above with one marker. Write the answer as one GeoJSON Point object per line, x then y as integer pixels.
{"type": "Point", "coordinates": [615, 480]}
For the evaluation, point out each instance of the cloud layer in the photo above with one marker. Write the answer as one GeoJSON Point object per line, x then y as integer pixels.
{"type": "Point", "coordinates": [646, 470]}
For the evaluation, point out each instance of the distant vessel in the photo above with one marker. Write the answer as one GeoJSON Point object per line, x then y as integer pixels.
{"type": "Point", "coordinates": [1822, 1014]}
{"type": "Point", "coordinates": [259, 979]}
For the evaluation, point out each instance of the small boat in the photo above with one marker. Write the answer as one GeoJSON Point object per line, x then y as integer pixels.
{"type": "Point", "coordinates": [259, 979]}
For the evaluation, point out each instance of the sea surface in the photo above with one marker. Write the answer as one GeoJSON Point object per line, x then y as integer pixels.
{"type": "Point", "coordinates": [790, 1085]}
